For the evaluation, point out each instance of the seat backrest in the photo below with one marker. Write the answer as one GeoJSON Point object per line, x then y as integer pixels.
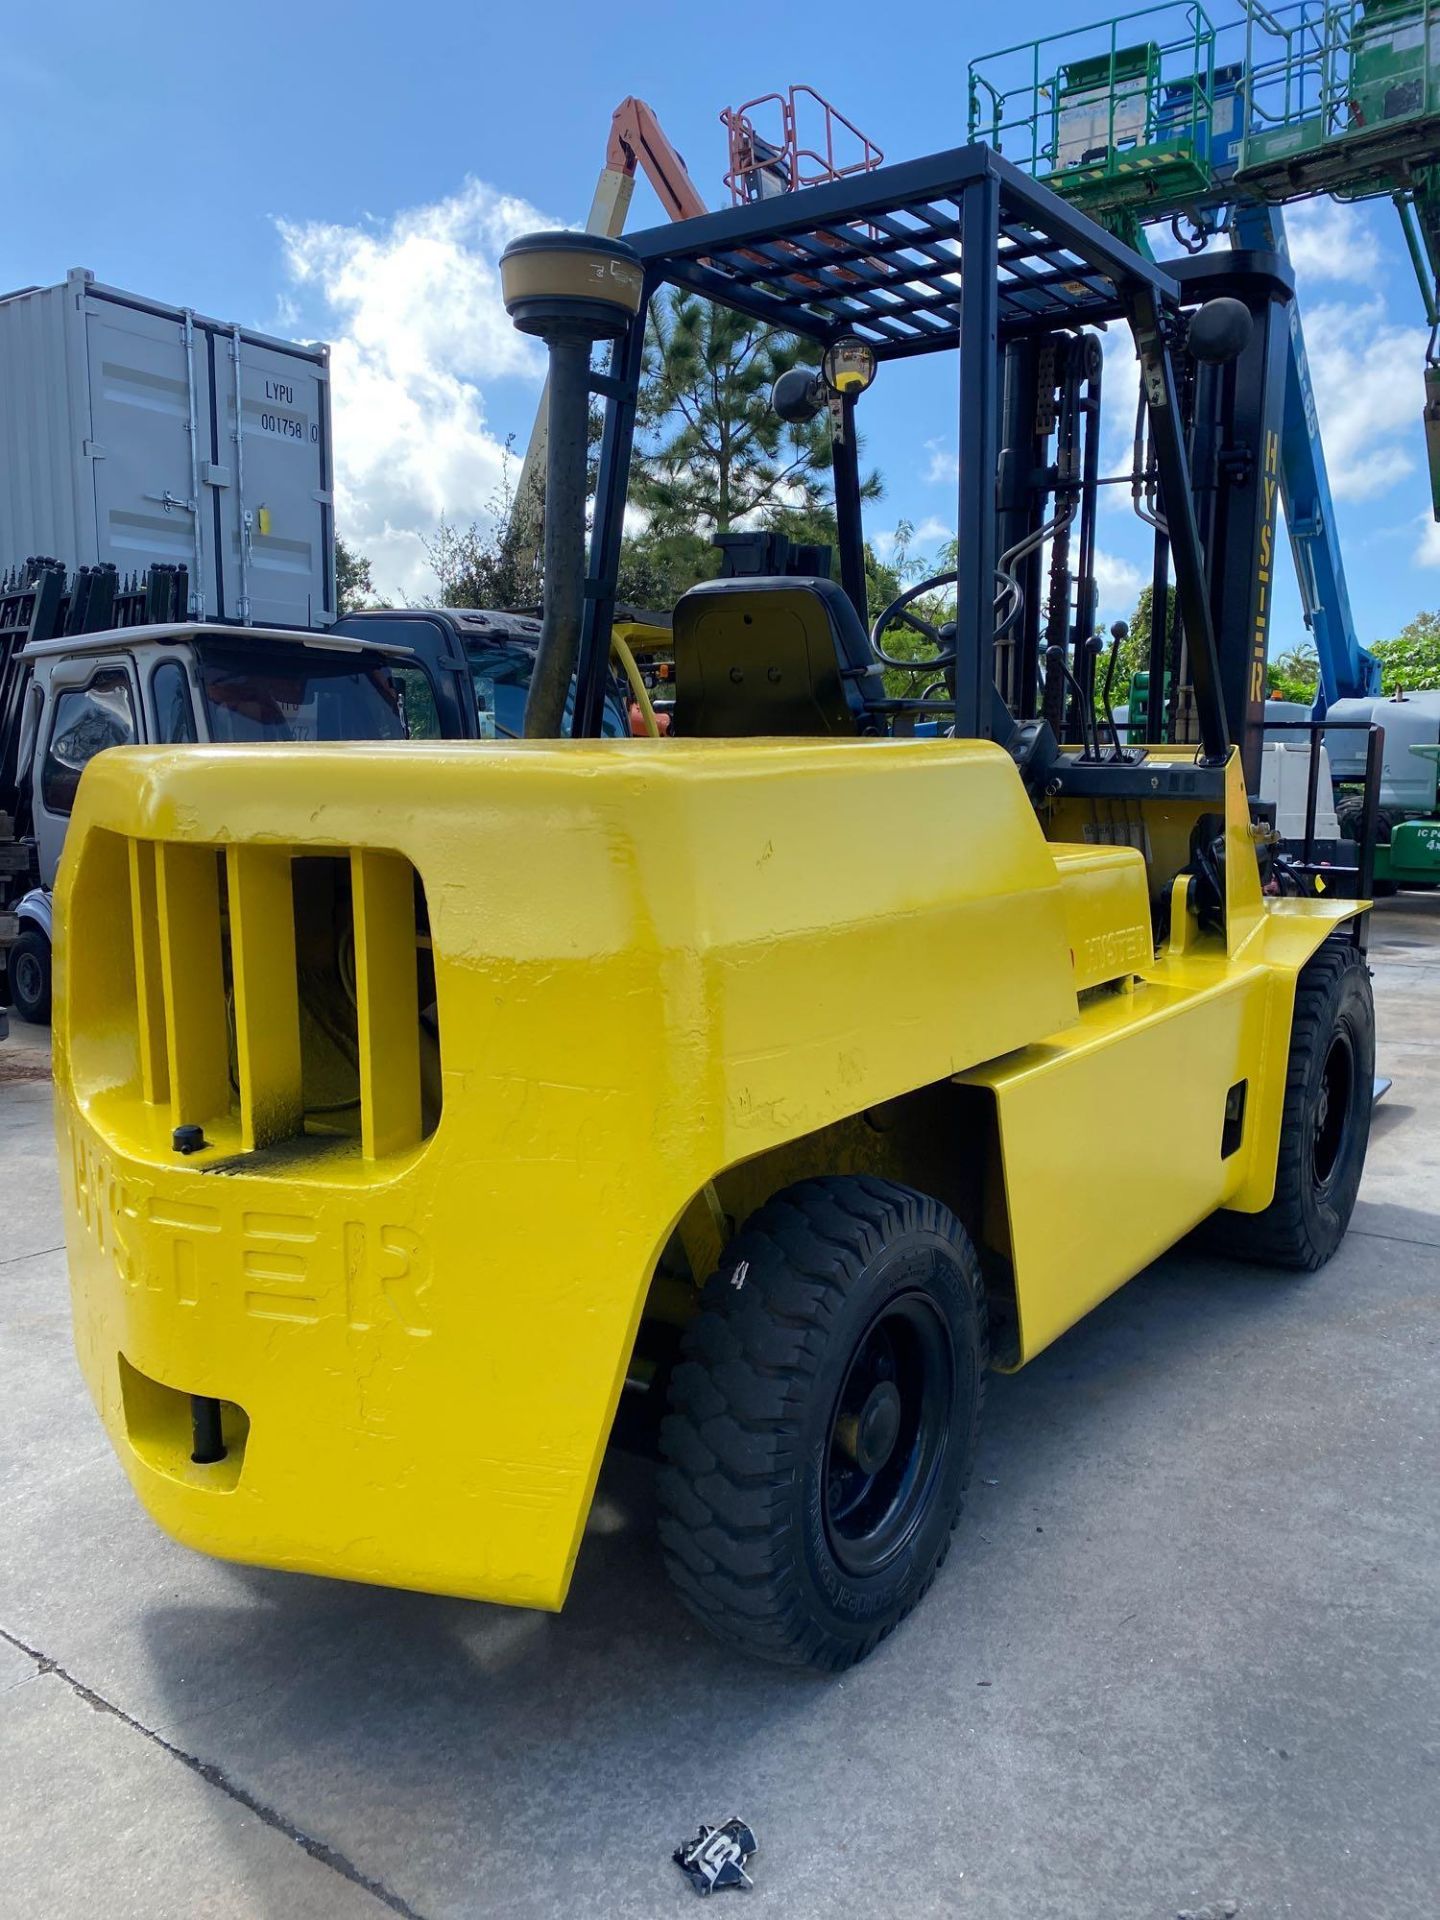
{"type": "Point", "coordinates": [772, 655]}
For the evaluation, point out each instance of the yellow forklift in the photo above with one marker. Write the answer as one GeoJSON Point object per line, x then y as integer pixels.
{"type": "Point", "coordinates": [421, 1107]}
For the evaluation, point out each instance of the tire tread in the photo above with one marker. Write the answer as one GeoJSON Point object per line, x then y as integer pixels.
{"type": "Point", "coordinates": [1281, 1235]}
{"type": "Point", "coordinates": [738, 1397]}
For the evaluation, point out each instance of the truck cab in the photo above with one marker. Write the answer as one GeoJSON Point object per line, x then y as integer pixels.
{"type": "Point", "coordinates": [492, 652]}
{"type": "Point", "coordinates": [178, 683]}
{"type": "Point", "coordinates": [384, 674]}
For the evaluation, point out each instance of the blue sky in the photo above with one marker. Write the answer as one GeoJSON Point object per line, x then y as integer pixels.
{"type": "Point", "coordinates": [351, 172]}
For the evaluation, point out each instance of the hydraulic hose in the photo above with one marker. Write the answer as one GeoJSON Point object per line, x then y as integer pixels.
{"type": "Point", "coordinates": [638, 689]}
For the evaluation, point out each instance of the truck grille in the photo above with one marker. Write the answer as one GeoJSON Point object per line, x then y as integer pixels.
{"type": "Point", "coordinates": [280, 1001]}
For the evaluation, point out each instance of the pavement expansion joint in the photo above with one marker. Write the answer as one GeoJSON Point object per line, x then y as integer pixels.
{"type": "Point", "coordinates": [213, 1776]}
{"type": "Point", "coordinates": [1393, 1239]}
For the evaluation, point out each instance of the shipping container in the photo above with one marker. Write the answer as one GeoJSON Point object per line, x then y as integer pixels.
{"type": "Point", "coordinates": [121, 441]}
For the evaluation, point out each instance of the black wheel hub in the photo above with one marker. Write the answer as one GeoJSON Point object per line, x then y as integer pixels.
{"type": "Point", "coordinates": [888, 1433]}
{"type": "Point", "coordinates": [1332, 1109]}
{"type": "Point", "coordinates": [870, 1437]}
{"type": "Point", "coordinates": [29, 980]}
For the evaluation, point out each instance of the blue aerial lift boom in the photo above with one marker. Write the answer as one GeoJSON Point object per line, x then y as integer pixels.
{"type": "Point", "coordinates": [1347, 670]}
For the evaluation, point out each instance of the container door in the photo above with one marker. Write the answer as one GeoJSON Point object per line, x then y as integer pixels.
{"type": "Point", "coordinates": [141, 397]}
{"type": "Point", "coordinates": [277, 558]}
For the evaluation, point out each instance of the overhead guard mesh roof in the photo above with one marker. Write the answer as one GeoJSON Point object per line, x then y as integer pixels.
{"type": "Point", "coordinates": [879, 255]}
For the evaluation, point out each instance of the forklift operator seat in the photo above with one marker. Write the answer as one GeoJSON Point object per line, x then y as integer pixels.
{"type": "Point", "coordinates": [773, 655]}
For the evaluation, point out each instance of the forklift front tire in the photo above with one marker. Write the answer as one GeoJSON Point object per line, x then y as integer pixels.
{"type": "Point", "coordinates": [1325, 1124]}
{"type": "Point", "coordinates": [823, 1420]}
{"type": "Point", "coordinates": [28, 964]}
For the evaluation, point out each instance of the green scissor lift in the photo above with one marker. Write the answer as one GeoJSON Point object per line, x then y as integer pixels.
{"type": "Point", "coordinates": [1160, 115]}
{"type": "Point", "coordinates": [1117, 117]}
{"type": "Point", "coordinates": [1346, 100]}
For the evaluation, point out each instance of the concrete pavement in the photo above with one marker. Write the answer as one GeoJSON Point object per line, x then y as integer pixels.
{"type": "Point", "coordinates": [1184, 1650]}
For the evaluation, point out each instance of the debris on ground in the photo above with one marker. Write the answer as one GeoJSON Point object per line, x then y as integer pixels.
{"type": "Point", "coordinates": [717, 1856]}
{"type": "Point", "coordinates": [1216, 1910]}
{"type": "Point", "coordinates": [20, 1063]}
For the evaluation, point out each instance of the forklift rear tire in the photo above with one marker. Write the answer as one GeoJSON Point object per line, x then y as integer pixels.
{"type": "Point", "coordinates": [29, 970]}
{"type": "Point", "coordinates": [823, 1420]}
{"type": "Point", "coordinates": [1325, 1124]}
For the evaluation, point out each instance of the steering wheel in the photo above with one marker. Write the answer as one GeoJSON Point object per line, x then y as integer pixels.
{"type": "Point", "coordinates": [898, 614]}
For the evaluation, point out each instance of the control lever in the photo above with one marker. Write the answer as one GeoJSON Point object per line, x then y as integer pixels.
{"type": "Point", "coordinates": [1120, 631]}
{"type": "Point", "coordinates": [1089, 740]}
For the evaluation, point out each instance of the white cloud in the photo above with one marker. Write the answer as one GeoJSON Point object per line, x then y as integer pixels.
{"type": "Point", "coordinates": [943, 465]}
{"type": "Point", "coordinates": [1427, 547]}
{"type": "Point", "coordinates": [1119, 583]}
{"type": "Point", "coordinates": [1120, 395]}
{"type": "Point", "coordinates": [1366, 376]}
{"type": "Point", "coordinates": [1331, 241]}
{"type": "Point", "coordinates": [930, 532]}
{"type": "Point", "coordinates": [1364, 369]}
{"type": "Point", "coordinates": [1355, 355]}
{"type": "Point", "coordinates": [413, 311]}
{"type": "Point", "coordinates": [921, 541]}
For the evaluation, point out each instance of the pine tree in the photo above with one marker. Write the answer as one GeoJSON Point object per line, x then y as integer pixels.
{"type": "Point", "coordinates": [711, 453]}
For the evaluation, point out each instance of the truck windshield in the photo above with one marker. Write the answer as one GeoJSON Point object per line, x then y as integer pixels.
{"type": "Point", "coordinates": [501, 672]}
{"type": "Point", "coordinates": [295, 693]}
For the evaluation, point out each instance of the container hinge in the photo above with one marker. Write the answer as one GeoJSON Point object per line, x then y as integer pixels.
{"type": "Point", "coordinates": [192, 431]}
{"type": "Point", "coordinates": [92, 450]}
{"type": "Point", "coordinates": [247, 518]}
{"type": "Point", "coordinates": [247, 541]}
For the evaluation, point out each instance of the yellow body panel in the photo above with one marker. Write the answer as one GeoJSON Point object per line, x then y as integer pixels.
{"type": "Point", "coordinates": [652, 961]}
{"type": "Point", "coordinates": [1107, 911]}
{"type": "Point", "coordinates": [1111, 1132]}
{"type": "Point", "coordinates": [267, 1037]}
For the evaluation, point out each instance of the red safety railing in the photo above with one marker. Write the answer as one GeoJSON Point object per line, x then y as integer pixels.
{"type": "Point", "coordinates": [782, 141]}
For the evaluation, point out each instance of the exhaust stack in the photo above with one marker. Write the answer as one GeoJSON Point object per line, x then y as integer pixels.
{"type": "Point", "coordinates": [570, 289]}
